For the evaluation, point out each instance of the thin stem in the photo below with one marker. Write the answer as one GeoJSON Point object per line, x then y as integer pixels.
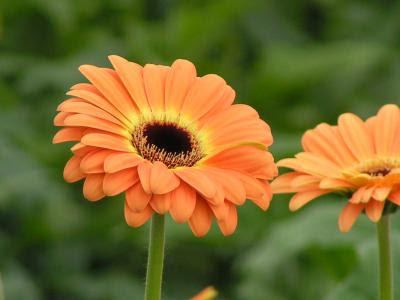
{"type": "Point", "coordinates": [385, 259]}
{"type": "Point", "coordinates": [155, 259]}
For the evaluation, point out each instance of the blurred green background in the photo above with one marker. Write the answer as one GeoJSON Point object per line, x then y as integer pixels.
{"type": "Point", "coordinates": [297, 62]}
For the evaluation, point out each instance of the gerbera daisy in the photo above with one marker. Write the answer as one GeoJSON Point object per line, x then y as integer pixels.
{"type": "Point", "coordinates": [355, 157]}
{"type": "Point", "coordinates": [171, 141]}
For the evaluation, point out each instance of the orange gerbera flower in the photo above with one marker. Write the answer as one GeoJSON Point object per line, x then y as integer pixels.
{"type": "Point", "coordinates": [172, 141]}
{"type": "Point", "coordinates": [355, 156]}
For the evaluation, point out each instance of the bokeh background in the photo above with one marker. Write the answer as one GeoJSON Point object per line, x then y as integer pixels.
{"type": "Point", "coordinates": [297, 62]}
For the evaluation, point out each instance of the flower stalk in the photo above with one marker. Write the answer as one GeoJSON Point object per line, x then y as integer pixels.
{"type": "Point", "coordinates": [155, 260]}
{"type": "Point", "coordinates": [385, 259]}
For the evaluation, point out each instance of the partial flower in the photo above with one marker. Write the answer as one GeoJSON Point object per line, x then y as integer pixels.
{"type": "Point", "coordinates": [209, 293]}
{"type": "Point", "coordinates": [171, 141]}
{"type": "Point", "coordinates": [356, 157]}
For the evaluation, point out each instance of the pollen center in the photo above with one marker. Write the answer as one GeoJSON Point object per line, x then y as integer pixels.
{"type": "Point", "coordinates": [166, 142]}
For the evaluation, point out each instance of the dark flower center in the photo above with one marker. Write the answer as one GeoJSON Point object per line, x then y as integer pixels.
{"type": "Point", "coordinates": [166, 142]}
{"type": "Point", "coordinates": [378, 172]}
{"type": "Point", "coordinates": [168, 137]}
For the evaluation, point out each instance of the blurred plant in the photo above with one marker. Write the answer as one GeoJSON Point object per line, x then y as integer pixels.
{"type": "Point", "coordinates": [296, 62]}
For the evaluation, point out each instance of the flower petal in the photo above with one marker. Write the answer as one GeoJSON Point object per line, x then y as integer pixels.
{"type": "Point", "coordinates": [118, 161]}
{"type": "Point", "coordinates": [349, 216]}
{"type": "Point", "coordinates": [68, 135]}
{"type": "Point", "coordinates": [198, 180]}
{"type": "Point", "coordinates": [93, 187]}
{"type": "Point", "coordinates": [116, 183]}
{"type": "Point", "coordinates": [204, 94]}
{"type": "Point", "coordinates": [136, 219]}
{"type": "Point", "coordinates": [72, 171]}
{"type": "Point", "coordinates": [355, 135]}
{"type": "Point", "coordinates": [144, 171]}
{"type": "Point", "coordinates": [93, 162]}
{"type": "Point", "coordinates": [93, 122]}
{"type": "Point", "coordinates": [136, 198]}
{"type": "Point", "coordinates": [108, 141]}
{"type": "Point", "coordinates": [90, 94]}
{"type": "Point", "coordinates": [200, 221]}
{"type": "Point", "coordinates": [131, 75]}
{"type": "Point", "coordinates": [107, 82]}
{"type": "Point", "coordinates": [386, 129]}
{"type": "Point", "coordinates": [161, 203]}
{"type": "Point", "coordinates": [154, 77]}
{"type": "Point", "coordinates": [302, 198]}
{"type": "Point", "coordinates": [183, 202]}
{"type": "Point", "coordinates": [179, 80]}
{"type": "Point", "coordinates": [374, 210]}
{"type": "Point", "coordinates": [228, 224]}
{"type": "Point", "coordinates": [162, 180]}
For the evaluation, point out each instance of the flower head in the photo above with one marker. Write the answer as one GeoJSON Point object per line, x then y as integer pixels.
{"type": "Point", "coordinates": [171, 141]}
{"type": "Point", "coordinates": [359, 157]}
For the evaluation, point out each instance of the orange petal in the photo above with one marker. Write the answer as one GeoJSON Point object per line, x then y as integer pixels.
{"type": "Point", "coordinates": [93, 187]}
{"type": "Point", "coordinates": [395, 197]}
{"type": "Point", "coordinates": [349, 215]}
{"type": "Point", "coordinates": [374, 210]}
{"type": "Point", "coordinates": [60, 117]}
{"type": "Point", "coordinates": [221, 211]}
{"type": "Point", "coordinates": [200, 221]}
{"type": "Point", "coordinates": [224, 103]}
{"type": "Point", "coordinates": [302, 198]}
{"type": "Point", "coordinates": [386, 128]}
{"type": "Point", "coordinates": [93, 162]}
{"type": "Point", "coordinates": [161, 203]}
{"type": "Point", "coordinates": [72, 171]}
{"type": "Point", "coordinates": [118, 161]}
{"type": "Point", "coordinates": [367, 194]}
{"type": "Point", "coordinates": [219, 196]}
{"type": "Point", "coordinates": [309, 163]}
{"type": "Point", "coordinates": [162, 180]}
{"type": "Point", "coordinates": [107, 82]}
{"type": "Point", "coordinates": [131, 76]}
{"type": "Point", "coordinates": [108, 141]}
{"type": "Point", "coordinates": [136, 219]}
{"type": "Point", "coordinates": [326, 141]}
{"type": "Point", "coordinates": [90, 94]}
{"type": "Point", "coordinates": [357, 195]}
{"type": "Point", "coordinates": [183, 201]}
{"type": "Point", "coordinates": [154, 77]}
{"type": "Point", "coordinates": [332, 183]}
{"type": "Point", "coordinates": [136, 198]}
{"type": "Point", "coordinates": [198, 180]}
{"type": "Point", "coordinates": [283, 183]}
{"type": "Point", "coordinates": [381, 193]}
{"type": "Point", "coordinates": [228, 224]}
{"type": "Point", "coordinates": [180, 78]}
{"type": "Point", "coordinates": [81, 150]}
{"type": "Point", "coordinates": [116, 183]}
{"type": "Point", "coordinates": [204, 94]}
{"type": "Point", "coordinates": [264, 201]}
{"type": "Point", "coordinates": [68, 135]}
{"type": "Point", "coordinates": [78, 106]}
{"type": "Point", "coordinates": [144, 171]}
{"type": "Point", "coordinates": [233, 188]}
{"type": "Point", "coordinates": [355, 135]}
{"type": "Point", "coordinates": [93, 122]}
{"type": "Point", "coordinates": [247, 159]}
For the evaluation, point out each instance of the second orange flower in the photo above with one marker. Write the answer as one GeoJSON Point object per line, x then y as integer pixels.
{"type": "Point", "coordinates": [356, 157]}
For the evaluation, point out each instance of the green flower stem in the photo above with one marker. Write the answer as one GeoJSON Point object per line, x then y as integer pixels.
{"type": "Point", "coordinates": [155, 260]}
{"type": "Point", "coordinates": [385, 259]}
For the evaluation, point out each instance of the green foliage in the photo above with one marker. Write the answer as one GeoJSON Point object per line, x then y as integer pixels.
{"type": "Point", "coordinates": [298, 63]}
